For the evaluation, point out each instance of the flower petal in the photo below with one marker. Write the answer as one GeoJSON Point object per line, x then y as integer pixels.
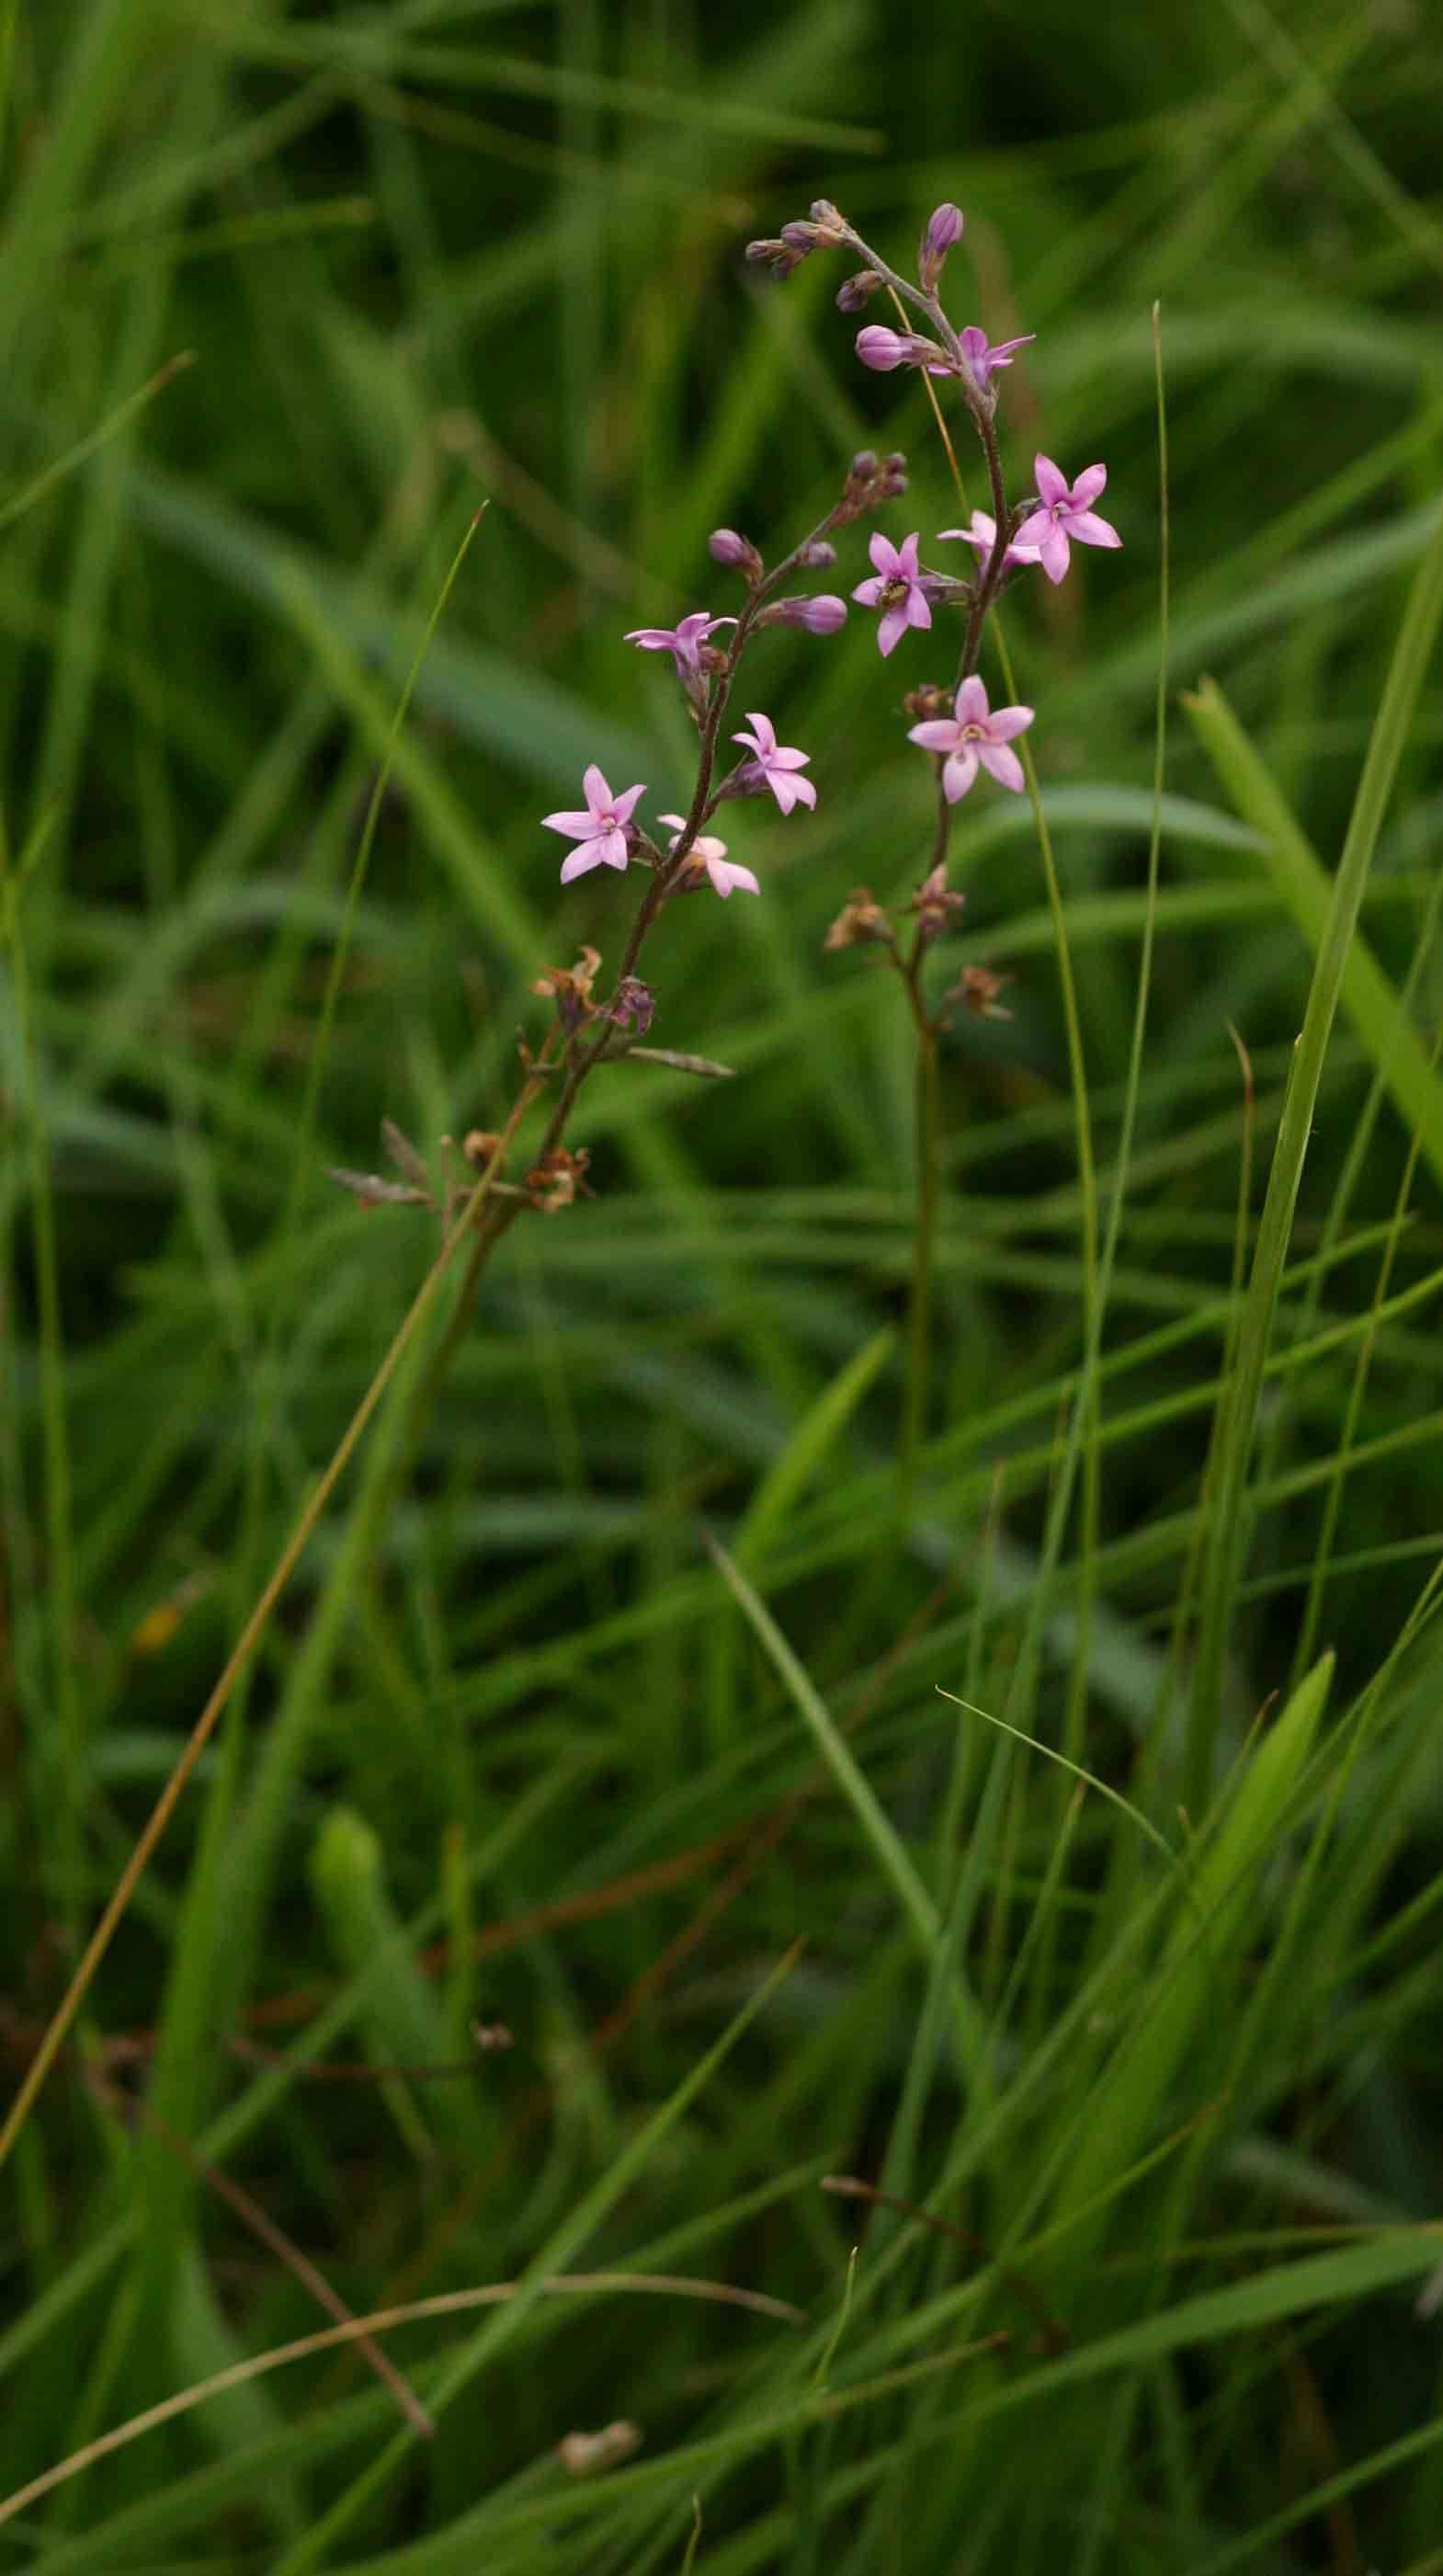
{"type": "Point", "coordinates": [938, 734]}
{"type": "Point", "coordinates": [765, 734]}
{"type": "Point", "coordinates": [1037, 525]}
{"type": "Point", "coordinates": [623, 807]}
{"type": "Point", "coordinates": [1051, 482]}
{"type": "Point", "coordinates": [652, 639]}
{"type": "Point", "coordinates": [1002, 764]}
{"type": "Point", "coordinates": [959, 773]}
{"type": "Point", "coordinates": [1006, 723]}
{"type": "Point", "coordinates": [892, 628]}
{"type": "Point", "coordinates": [916, 606]}
{"type": "Point", "coordinates": [577, 827]}
{"type": "Point", "coordinates": [1091, 481]}
{"type": "Point", "coordinates": [784, 757]}
{"type": "Point", "coordinates": [580, 861]}
{"type": "Point", "coordinates": [1089, 530]}
{"type": "Point", "coordinates": [727, 874]}
{"type": "Point", "coordinates": [907, 556]}
{"type": "Point", "coordinates": [595, 789]}
{"type": "Point", "coordinates": [870, 592]}
{"type": "Point", "coordinates": [883, 554]}
{"type": "Point", "coordinates": [677, 820]}
{"type": "Point", "coordinates": [1054, 553]}
{"type": "Point", "coordinates": [612, 850]}
{"type": "Point", "coordinates": [972, 701]}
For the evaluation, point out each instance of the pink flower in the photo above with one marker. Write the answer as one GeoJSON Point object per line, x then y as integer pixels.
{"type": "Point", "coordinates": [896, 590]}
{"type": "Point", "coordinates": [777, 764]}
{"type": "Point", "coordinates": [974, 734]}
{"type": "Point", "coordinates": [983, 360]}
{"type": "Point", "coordinates": [600, 831]}
{"type": "Point", "coordinates": [682, 642]}
{"type": "Point", "coordinates": [1065, 512]}
{"type": "Point", "coordinates": [726, 875]}
{"type": "Point", "coordinates": [983, 535]}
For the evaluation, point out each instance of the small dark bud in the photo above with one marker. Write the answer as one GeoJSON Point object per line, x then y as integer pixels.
{"type": "Point", "coordinates": [976, 991]}
{"type": "Point", "coordinates": [818, 553]}
{"type": "Point", "coordinates": [863, 466]}
{"type": "Point", "coordinates": [853, 293]}
{"type": "Point", "coordinates": [779, 256]}
{"type": "Point", "coordinates": [896, 463]}
{"type": "Point", "coordinates": [634, 1005]}
{"type": "Point", "coordinates": [929, 702]}
{"type": "Point", "coordinates": [831, 226]}
{"type": "Point", "coordinates": [802, 238]}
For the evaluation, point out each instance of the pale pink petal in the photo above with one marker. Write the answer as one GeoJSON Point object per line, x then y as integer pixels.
{"type": "Point", "coordinates": [972, 701]}
{"type": "Point", "coordinates": [677, 821]}
{"type": "Point", "coordinates": [763, 737]}
{"type": "Point", "coordinates": [1003, 764]}
{"type": "Point", "coordinates": [595, 789]}
{"type": "Point", "coordinates": [623, 807]}
{"type": "Point", "coordinates": [1036, 528]}
{"type": "Point", "coordinates": [726, 874]}
{"type": "Point", "coordinates": [581, 860]}
{"type": "Point", "coordinates": [884, 555]}
{"type": "Point", "coordinates": [1051, 482]}
{"type": "Point", "coordinates": [612, 849]}
{"type": "Point", "coordinates": [938, 734]}
{"type": "Point", "coordinates": [892, 628]}
{"type": "Point", "coordinates": [917, 607]}
{"type": "Point", "coordinates": [1089, 530]}
{"type": "Point", "coordinates": [907, 556]}
{"type": "Point", "coordinates": [784, 757]}
{"type": "Point", "coordinates": [870, 592]}
{"type": "Point", "coordinates": [1091, 481]}
{"type": "Point", "coordinates": [1005, 723]}
{"type": "Point", "coordinates": [959, 773]}
{"type": "Point", "coordinates": [1053, 553]}
{"type": "Point", "coordinates": [577, 827]}
{"type": "Point", "coordinates": [790, 791]}
{"type": "Point", "coordinates": [652, 639]}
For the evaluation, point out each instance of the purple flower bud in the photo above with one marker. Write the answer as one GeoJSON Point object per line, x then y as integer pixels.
{"type": "Point", "coordinates": [738, 553]}
{"type": "Point", "coordinates": [883, 349]}
{"type": "Point", "coordinates": [816, 554]}
{"type": "Point", "coordinates": [779, 256]}
{"type": "Point", "coordinates": [821, 615]}
{"type": "Point", "coordinates": [943, 230]}
{"type": "Point", "coordinates": [864, 465]}
{"type": "Point", "coordinates": [830, 226]}
{"type": "Point", "coordinates": [801, 238]}
{"type": "Point", "coordinates": [853, 292]}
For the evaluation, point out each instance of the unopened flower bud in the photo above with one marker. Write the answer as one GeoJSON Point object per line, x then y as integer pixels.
{"type": "Point", "coordinates": [854, 291]}
{"type": "Point", "coordinates": [821, 615]}
{"type": "Point", "coordinates": [817, 553]}
{"type": "Point", "coordinates": [864, 465]}
{"type": "Point", "coordinates": [929, 702]}
{"type": "Point", "coordinates": [883, 349]}
{"type": "Point", "coordinates": [802, 238]}
{"type": "Point", "coordinates": [634, 1004]}
{"type": "Point", "coordinates": [831, 226]}
{"type": "Point", "coordinates": [779, 256]}
{"type": "Point", "coordinates": [725, 546]}
{"type": "Point", "coordinates": [943, 230]}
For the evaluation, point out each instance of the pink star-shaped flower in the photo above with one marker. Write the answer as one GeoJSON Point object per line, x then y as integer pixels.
{"type": "Point", "coordinates": [600, 831]}
{"type": "Point", "coordinates": [778, 763]}
{"type": "Point", "coordinates": [1065, 511]}
{"type": "Point", "coordinates": [710, 854]}
{"type": "Point", "coordinates": [896, 590]}
{"type": "Point", "coordinates": [984, 360]}
{"type": "Point", "coordinates": [683, 642]}
{"type": "Point", "coordinates": [975, 733]}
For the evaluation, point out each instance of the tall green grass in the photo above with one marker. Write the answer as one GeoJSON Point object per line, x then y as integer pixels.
{"type": "Point", "coordinates": [604, 1708]}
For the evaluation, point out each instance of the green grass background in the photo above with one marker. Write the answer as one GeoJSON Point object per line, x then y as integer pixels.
{"type": "Point", "coordinates": [516, 1746]}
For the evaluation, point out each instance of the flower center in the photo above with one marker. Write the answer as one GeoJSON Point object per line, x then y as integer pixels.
{"type": "Point", "coordinates": [974, 733]}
